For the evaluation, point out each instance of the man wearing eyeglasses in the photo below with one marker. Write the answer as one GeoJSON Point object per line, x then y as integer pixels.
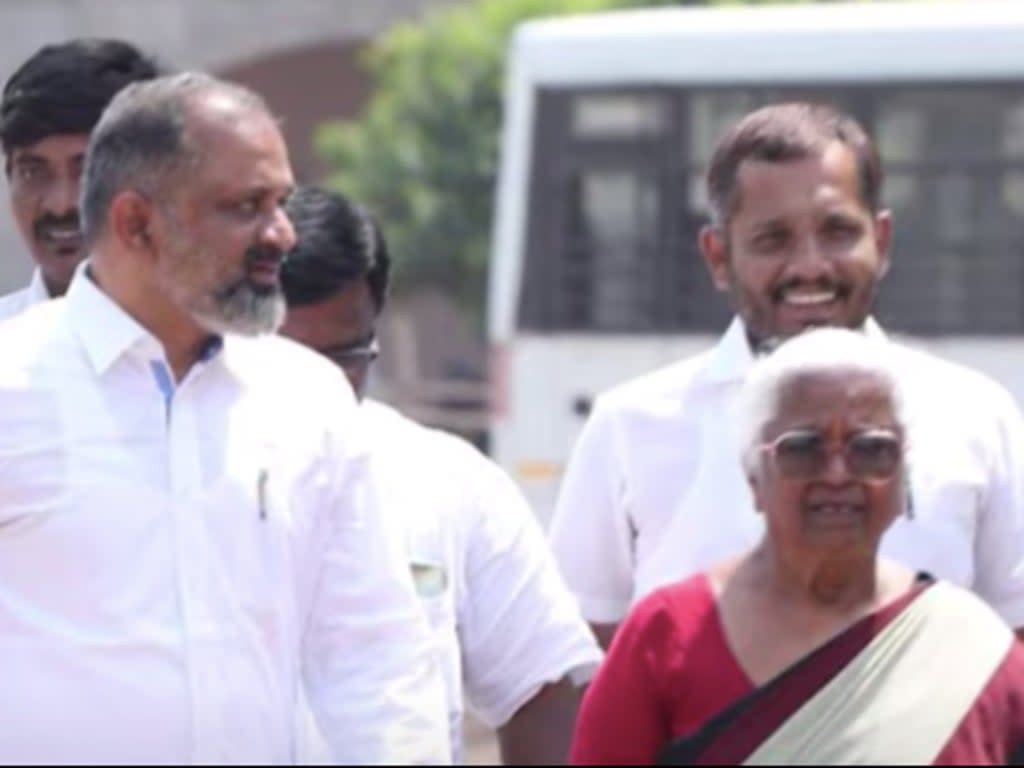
{"type": "Point", "coordinates": [509, 632]}
{"type": "Point", "coordinates": [654, 491]}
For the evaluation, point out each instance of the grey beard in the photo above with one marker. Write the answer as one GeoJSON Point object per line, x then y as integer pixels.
{"type": "Point", "coordinates": [243, 311]}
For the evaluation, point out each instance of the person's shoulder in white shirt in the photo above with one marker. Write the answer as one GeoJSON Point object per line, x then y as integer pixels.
{"type": "Point", "coordinates": [507, 624]}
{"type": "Point", "coordinates": [16, 302]}
{"type": "Point", "coordinates": [967, 468]}
{"type": "Point", "coordinates": [638, 450]}
{"type": "Point", "coordinates": [662, 384]}
{"type": "Point", "coordinates": [36, 335]}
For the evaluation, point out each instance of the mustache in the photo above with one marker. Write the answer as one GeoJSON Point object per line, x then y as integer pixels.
{"type": "Point", "coordinates": [263, 252]}
{"type": "Point", "coordinates": [46, 222]}
{"type": "Point", "coordinates": [840, 289]}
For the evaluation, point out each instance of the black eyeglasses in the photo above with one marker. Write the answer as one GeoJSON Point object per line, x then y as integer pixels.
{"type": "Point", "coordinates": [874, 454]}
{"type": "Point", "coordinates": [353, 355]}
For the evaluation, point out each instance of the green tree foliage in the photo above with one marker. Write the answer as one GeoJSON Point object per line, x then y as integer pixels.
{"type": "Point", "coordinates": [424, 154]}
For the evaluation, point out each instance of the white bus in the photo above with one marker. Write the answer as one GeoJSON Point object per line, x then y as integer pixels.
{"type": "Point", "coordinates": [609, 122]}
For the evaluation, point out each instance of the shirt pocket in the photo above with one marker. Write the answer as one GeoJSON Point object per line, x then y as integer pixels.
{"type": "Point", "coordinates": [431, 579]}
{"type": "Point", "coordinates": [252, 494]}
{"type": "Point", "coordinates": [249, 510]}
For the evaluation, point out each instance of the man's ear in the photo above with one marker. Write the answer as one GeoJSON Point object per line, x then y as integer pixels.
{"type": "Point", "coordinates": [715, 251]}
{"type": "Point", "coordinates": [755, 491]}
{"type": "Point", "coordinates": [883, 240]}
{"type": "Point", "coordinates": [131, 221]}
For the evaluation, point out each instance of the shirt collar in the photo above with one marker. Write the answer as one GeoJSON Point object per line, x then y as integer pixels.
{"type": "Point", "coordinates": [105, 330]}
{"type": "Point", "coordinates": [36, 290]}
{"type": "Point", "coordinates": [732, 357]}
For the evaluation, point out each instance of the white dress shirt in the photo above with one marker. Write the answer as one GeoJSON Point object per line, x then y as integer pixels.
{"type": "Point", "coordinates": [181, 566]}
{"type": "Point", "coordinates": [505, 623]}
{"type": "Point", "coordinates": [16, 302]}
{"type": "Point", "coordinates": [654, 490]}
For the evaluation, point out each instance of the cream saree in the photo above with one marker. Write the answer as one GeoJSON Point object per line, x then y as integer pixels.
{"type": "Point", "coordinates": [897, 695]}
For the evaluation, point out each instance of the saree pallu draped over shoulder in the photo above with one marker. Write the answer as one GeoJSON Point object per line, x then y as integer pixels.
{"type": "Point", "coordinates": [894, 695]}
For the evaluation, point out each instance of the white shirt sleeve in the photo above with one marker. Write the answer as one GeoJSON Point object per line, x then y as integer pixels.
{"type": "Point", "coordinates": [999, 541]}
{"type": "Point", "coordinates": [369, 666]}
{"type": "Point", "coordinates": [590, 531]}
{"type": "Point", "coordinates": [519, 626]}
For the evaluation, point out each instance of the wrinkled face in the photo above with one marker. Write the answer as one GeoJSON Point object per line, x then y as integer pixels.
{"type": "Point", "coordinates": [801, 248]}
{"type": "Point", "coordinates": [829, 477]}
{"type": "Point", "coordinates": [225, 232]}
{"type": "Point", "coordinates": [44, 179]}
{"type": "Point", "coordinates": [342, 328]}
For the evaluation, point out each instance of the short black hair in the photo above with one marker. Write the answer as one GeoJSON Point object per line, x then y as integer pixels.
{"type": "Point", "coordinates": [337, 243]}
{"type": "Point", "coordinates": [64, 88]}
{"type": "Point", "coordinates": [783, 132]}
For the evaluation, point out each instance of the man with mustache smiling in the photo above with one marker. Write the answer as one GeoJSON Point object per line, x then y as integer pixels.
{"type": "Point", "coordinates": [655, 492]}
{"type": "Point", "coordinates": [49, 107]}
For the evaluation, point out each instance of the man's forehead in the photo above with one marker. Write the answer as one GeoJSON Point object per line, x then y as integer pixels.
{"type": "Point", "coordinates": [833, 161]}
{"type": "Point", "coordinates": [214, 109]}
{"type": "Point", "coordinates": [826, 178]}
{"type": "Point", "coordinates": [214, 106]}
{"type": "Point", "coordinates": [244, 150]}
{"type": "Point", "coordinates": [57, 146]}
{"type": "Point", "coordinates": [345, 319]}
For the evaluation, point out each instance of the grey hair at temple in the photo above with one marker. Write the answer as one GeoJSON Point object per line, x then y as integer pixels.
{"type": "Point", "coordinates": [142, 141]}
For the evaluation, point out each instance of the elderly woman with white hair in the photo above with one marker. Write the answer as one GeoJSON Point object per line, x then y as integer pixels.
{"type": "Point", "coordinates": [810, 649]}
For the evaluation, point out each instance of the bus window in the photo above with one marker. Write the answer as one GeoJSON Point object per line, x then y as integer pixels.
{"type": "Point", "coordinates": [598, 210]}
{"type": "Point", "coordinates": [614, 217]}
{"type": "Point", "coordinates": [618, 116]}
{"type": "Point", "coordinates": [956, 255]}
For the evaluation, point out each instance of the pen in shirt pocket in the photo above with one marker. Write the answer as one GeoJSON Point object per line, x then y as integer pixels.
{"type": "Point", "coordinates": [261, 492]}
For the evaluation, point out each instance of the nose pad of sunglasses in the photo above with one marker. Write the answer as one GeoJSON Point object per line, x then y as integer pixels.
{"type": "Point", "coordinates": [836, 464]}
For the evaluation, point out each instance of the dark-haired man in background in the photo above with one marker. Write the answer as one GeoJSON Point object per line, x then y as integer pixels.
{"type": "Point", "coordinates": [49, 107]}
{"type": "Point", "coordinates": [508, 632]}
